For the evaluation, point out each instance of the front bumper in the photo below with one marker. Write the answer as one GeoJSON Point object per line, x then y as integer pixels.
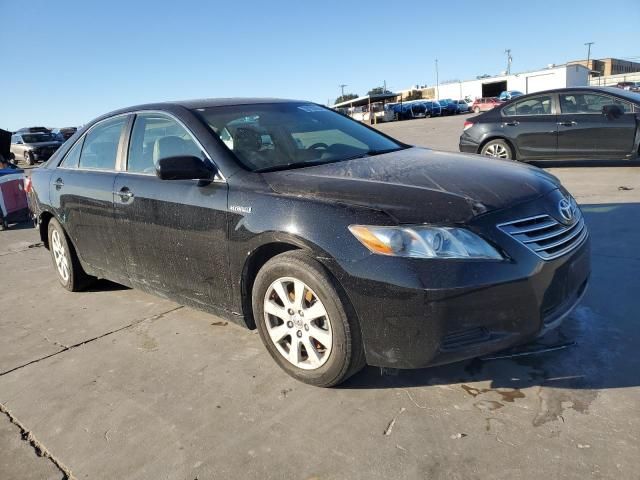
{"type": "Point", "coordinates": [415, 313]}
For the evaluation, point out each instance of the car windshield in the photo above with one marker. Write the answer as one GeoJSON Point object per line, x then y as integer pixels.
{"type": "Point", "coordinates": [37, 137]}
{"type": "Point", "coordinates": [279, 136]}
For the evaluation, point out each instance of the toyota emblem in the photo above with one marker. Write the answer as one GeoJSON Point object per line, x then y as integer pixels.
{"type": "Point", "coordinates": [566, 210]}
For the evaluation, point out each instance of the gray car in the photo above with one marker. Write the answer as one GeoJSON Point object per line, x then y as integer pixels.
{"type": "Point", "coordinates": [33, 147]}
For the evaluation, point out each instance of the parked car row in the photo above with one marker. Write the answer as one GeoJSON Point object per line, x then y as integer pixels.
{"type": "Point", "coordinates": [37, 144]}
{"type": "Point", "coordinates": [570, 123]}
{"type": "Point", "coordinates": [427, 108]}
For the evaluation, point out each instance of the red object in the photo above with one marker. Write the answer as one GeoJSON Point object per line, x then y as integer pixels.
{"type": "Point", "coordinates": [13, 199]}
{"type": "Point", "coordinates": [27, 185]}
{"type": "Point", "coordinates": [485, 104]}
{"type": "Point", "coordinates": [467, 124]}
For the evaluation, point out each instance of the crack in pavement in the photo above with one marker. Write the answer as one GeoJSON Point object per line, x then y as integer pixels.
{"type": "Point", "coordinates": [84, 342]}
{"type": "Point", "coordinates": [38, 447]}
{"type": "Point", "coordinates": [27, 248]}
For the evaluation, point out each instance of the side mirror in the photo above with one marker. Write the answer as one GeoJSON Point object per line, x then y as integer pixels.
{"type": "Point", "coordinates": [612, 111]}
{"type": "Point", "coordinates": [184, 167]}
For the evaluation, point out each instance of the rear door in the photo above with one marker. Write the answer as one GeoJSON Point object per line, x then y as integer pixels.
{"type": "Point", "coordinates": [82, 194]}
{"type": "Point", "coordinates": [584, 131]}
{"type": "Point", "coordinates": [174, 232]}
{"type": "Point", "coordinates": [532, 126]}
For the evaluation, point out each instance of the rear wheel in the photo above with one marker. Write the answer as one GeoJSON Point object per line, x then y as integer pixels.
{"type": "Point", "coordinates": [302, 320]}
{"type": "Point", "coordinates": [68, 268]}
{"type": "Point", "coordinates": [497, 149]}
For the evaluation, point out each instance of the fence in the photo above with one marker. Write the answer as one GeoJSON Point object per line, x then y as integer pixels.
{"type": "Point", "coordinates": [610, 80]}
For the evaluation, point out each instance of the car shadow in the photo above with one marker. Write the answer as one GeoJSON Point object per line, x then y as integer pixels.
{"type": "Point", "coordinates": [103, 285]}
{"type": "Point", "coordinates": [604, 330]}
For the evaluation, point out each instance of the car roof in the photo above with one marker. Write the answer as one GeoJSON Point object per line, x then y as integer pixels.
{"type": "Point", "coordinates": [614, 90]}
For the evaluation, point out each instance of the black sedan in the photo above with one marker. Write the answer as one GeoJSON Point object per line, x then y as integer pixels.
{"type": "Point", "coordinates": [340, 244]}
{"type": "Point", "coordinates": [570, 123]}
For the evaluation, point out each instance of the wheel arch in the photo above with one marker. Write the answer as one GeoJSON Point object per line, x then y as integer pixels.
{"type": "Point", "coordinates": [252, 265]}
{"type": "Point", "coordinates": [504, 139]}
{"type": "Point", "coordinates": [43, 226]}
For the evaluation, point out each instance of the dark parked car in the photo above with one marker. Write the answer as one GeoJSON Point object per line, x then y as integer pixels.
{"type": "Point", "coordinates": [509, 94]}
{"type": "Point", "coordinates": [434, 109]}
{"type": "Point", "coordinates": [448, 107]}
{"type": "Point", "coordinates": [462, 106]}
{"type": "Point", "coordinates": [569, 123]}
{"type": "Point", "coordinates": [64, 134]}
{"type": "Point", "coordinates": [633, 86]}
{"type": "Point", "coordinates": [340, 244]}
{"type": "Point", "coordinates": [33, 147]}
{"type": "Point", "coordinates": [407, 111]}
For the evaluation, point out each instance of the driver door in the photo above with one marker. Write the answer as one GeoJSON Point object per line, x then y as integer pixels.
{"type": "Point", "coordinates": [173, 232]}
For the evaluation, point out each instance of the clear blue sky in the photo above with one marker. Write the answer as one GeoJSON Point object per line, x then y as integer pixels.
{"type": "Point", "coordinates": [67, 62]}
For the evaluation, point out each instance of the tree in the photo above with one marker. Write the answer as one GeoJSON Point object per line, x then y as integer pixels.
{"type": "Point", "coordinates": [345, 97]}
{"type": "Point", "coordinates": [377, 91]}
{"type": "Point", "coordinates": [414, 95]}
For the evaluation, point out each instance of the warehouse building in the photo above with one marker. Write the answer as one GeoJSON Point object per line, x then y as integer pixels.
{"type": "Point", "coordinates": [559, 76]}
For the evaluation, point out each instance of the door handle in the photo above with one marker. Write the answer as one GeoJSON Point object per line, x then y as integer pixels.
{"type": "Point", "coordinates": [515, 123]}
{"type": "Point", "coordinates": [568, 124]}
{"type": "Point", "coordinates": [59, 183]}
{"type": "Point", "coordinates": [124, 194]}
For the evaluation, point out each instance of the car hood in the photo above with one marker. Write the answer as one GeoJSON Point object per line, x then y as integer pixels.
{"type": "Point", "coordinates": [418, 185]}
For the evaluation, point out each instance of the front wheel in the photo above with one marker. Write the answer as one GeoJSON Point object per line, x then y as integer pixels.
{"type": "Point", "coordinates": [497, 149]}
{"type": "Point", "coordinates": [303, 321]}
{"type": "Point", "coordinates": [28, 158]}
{"type": "Point", "coordinates": [476, 110]}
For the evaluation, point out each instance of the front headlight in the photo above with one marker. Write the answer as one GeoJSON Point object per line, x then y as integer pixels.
{"type": "Point", "coordinates": [422, 241]}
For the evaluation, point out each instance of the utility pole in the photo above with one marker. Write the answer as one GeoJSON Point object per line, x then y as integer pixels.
{"type": "Point", "coordinates": [342, 85]}
{"type": "Point", "coordinates": [509, 59]}
{"type": "Point", "coordinates": [588, 45]}
{"type": "Point", "coordinates": [437, 82]}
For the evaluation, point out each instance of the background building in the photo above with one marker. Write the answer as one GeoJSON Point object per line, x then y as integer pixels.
{"type": "Point", "coordinates": [609, 66]}
{"type": "Point", "coordinates": [560, 76]}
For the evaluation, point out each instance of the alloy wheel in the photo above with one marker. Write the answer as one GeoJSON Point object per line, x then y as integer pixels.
{"type": "Point", "coordinates": [60, 256]}
{"type": "Point", "coordinates": [496, 150]}
{"type": "Point", "coordinates": [297, 323]}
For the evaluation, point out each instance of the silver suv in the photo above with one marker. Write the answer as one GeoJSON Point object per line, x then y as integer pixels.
{"type": "Point", "coordinates": [33, 147]}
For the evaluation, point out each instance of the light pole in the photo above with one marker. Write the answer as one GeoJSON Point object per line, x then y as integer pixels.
{"type": "Point", "coordinates": [509, 59]}
{"type": "Point", "coordinates": [588, 45]}
{"type": "Point", "coordinates": [437, 82]}
{"type": "Point", "coordinates": [342, 85]}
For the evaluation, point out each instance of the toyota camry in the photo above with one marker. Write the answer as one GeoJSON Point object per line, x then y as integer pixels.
{"type": "Point", "coordinates": [341, 245]}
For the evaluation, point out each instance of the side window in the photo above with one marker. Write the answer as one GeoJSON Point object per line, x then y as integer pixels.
{"type": "Point", "coordinates": [156, 136]}
{"type": "Point", "coordinates": [14, 139]}
{"type": "Point", "coordinates": [73, 155]}
{"type": "Point", "coordinates": [101, 145]}
{"type": "Point", "coordinates": [590, 103]}
{"type": "Point", "coordinates": [531, 106]}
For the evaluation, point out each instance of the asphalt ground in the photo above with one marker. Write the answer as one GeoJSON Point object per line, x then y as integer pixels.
{"type": "Point", "coordinates": [115, 383]}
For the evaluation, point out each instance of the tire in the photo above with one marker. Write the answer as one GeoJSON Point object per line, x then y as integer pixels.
{"type": "Point", "coordinates": [65, 260]}
{"type": "Point", "coordinates": [497, 149]}
{"type": "Point", "coordinates": [3, 224]}
{"type": "Point", "coordinates": [28, 157]}
{"type": "Point", "coordinates": [476, 110]}
{"type": "Point", "coordinates": [328, 347]}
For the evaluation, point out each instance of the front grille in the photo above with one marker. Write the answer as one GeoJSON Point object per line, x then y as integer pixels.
{"type": "Point", "coordinates": [547, 237]}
